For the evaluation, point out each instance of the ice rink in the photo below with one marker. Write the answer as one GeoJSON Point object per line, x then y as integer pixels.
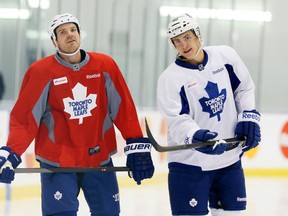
{"type": "Point", "coordinates": [267, 196]}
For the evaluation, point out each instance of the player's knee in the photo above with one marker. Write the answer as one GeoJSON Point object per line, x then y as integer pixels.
{"type": "Point", "coordinates": [221, 212]}
{"type": "Point", "coordinates": [67, 213]}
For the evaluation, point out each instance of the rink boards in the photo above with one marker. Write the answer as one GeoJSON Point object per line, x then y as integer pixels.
{"type": "Point", "coordinates": [270, 158]}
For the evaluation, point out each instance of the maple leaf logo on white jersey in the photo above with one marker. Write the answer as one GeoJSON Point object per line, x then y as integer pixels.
{"type": "Point", "coordinates": [82, 104]}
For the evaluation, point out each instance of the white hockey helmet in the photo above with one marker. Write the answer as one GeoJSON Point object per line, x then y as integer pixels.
{"type": "Point", "coordinates": [62, 19]}
{"type": "Point", "coordinates": [181, 24]}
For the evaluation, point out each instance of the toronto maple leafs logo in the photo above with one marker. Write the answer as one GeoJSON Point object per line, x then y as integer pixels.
{"type": "Point", "coordinates": [58, 195]}
{"type": "Point", "coordinates": [215, 103]}
{"type": "Point", "coordinates": [81, 106]}
{"type": "Point", "coordinates": [193, 202]}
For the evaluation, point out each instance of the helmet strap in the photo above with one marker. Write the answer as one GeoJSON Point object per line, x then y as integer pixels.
{"type": "Point", "coordinates": [63, 53]}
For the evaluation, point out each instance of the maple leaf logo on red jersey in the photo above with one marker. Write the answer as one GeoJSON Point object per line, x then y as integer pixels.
{"type": "Point", "coordinates": [81, 106]}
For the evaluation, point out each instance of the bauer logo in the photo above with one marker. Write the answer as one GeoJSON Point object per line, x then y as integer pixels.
{"type": "Point", "coordinates": [60, 81]}
{"type": "Point", "coordinates": [137, 146]}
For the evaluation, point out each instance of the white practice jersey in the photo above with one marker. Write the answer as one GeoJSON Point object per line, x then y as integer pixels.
{"type": "Point", "coordinates": [206, 96]}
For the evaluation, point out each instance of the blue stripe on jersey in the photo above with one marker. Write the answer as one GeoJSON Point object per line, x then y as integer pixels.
{"type": "Point", "coordinates": [185, 106]}
{"type": "Point", "coordinates": [235, 82]}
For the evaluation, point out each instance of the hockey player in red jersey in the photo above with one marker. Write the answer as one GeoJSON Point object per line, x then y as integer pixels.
{"type": "Point", "coordinates": [69, 103]}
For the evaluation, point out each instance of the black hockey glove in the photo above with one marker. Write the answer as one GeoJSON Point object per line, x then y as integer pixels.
{"type": "Point", "coordinates": [139, 159]}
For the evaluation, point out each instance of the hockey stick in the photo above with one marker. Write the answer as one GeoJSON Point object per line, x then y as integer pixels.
{"type": "Point", "coordinates": [72, 170]}
{"type": "Point", "coordinates": [233, 142]}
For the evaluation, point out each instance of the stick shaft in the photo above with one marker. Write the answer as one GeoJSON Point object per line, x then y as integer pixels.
{"type": "Point", "coordinates": [72, 170]}
{"type": "Point", "coordinates": [231, 141]}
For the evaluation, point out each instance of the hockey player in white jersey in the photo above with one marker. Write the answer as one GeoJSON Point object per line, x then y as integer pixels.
{"type": "Point", "coordinates": [207, 93]}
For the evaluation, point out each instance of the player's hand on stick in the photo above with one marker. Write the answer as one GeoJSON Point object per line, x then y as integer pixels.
{"type": "Point", "coordinates": [248, 126]}
{"type": "Point", "coordinates": [8, 162]}
{"type": "Point", "coordinates": [139, 159]}
{"type": "Point", "coordinates": [4, 153]}
{"type": "Point", "coordinates": [205, 135]}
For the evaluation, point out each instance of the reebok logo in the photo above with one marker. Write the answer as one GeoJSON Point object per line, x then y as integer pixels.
{"type": "Point", "coordinates": [241, 199]}
{"type": "Point", "coordinates": [251, 116]}
{"type": "Point", "coordinates": [218, 70]}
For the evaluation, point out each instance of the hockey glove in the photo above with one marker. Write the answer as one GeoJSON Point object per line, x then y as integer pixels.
{"type": "Point", "coordinates": [205, 135]}
{"type": "Point", "coordinates": [139, 159]}
{"type": "Point", "coordinates": [7, 168]}
{"type": "Point", "coordinates": [4, 153]}
{"type": "Point", "coordinates": [248, 126]}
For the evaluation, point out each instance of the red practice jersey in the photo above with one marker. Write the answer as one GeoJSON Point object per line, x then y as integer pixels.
{"type": "Point", "coordinates": [71, 109]}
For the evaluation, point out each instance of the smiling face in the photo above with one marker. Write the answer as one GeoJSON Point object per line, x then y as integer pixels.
{"type": "Point", "coordinates": [67, 37]}
{"type": "Point", "coordinates": [188, 45]}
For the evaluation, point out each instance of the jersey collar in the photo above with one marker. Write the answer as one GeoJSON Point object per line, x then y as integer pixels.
{"type": "Point", "coordinates": [199, 67]}
{"type": "Point", "coordinates": [74, 67]}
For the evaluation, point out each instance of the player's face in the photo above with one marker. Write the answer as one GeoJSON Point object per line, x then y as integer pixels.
{"type": "Point", "coordinates": [187, 44]}
{"type": "Point", "coordinates": [68, 37]}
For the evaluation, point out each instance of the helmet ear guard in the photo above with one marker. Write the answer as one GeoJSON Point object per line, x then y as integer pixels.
{"type": "Point", "coordinates": [62, 19]}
